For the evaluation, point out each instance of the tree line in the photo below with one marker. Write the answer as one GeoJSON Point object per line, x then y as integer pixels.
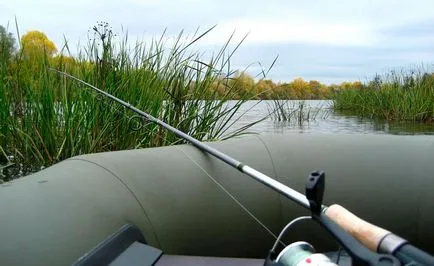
{"type": "Point", "coordinates": [35, 48]}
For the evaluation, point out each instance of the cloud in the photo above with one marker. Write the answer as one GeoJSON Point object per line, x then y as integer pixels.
{"type": "Point", "coordinates": [162, 2]}
{"type": "Point", "coordinates": [262, 31]}
{"type": "Point", "coordinates": [333, 40]}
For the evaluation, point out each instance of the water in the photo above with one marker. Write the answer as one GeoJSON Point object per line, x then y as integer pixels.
{"type": "Point", "coordinates": [324, 121]}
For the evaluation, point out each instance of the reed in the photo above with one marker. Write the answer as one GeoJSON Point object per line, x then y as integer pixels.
{"type": "Point", "coordinates": [404, 96]}
{"type": "Point", "coordinates": [295, 112]}
{"type": "Point", "coordinates": [46, 118]}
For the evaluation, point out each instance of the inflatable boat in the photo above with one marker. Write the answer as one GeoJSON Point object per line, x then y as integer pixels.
{"type": "Point", "coordinates": [164, 203]}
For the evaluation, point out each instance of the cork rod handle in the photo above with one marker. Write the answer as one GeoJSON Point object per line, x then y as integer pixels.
{"type": "Point", "coordinates": [368, 234]}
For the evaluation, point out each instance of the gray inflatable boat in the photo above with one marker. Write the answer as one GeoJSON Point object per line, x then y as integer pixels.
{"type": "Point", "coordinates": [164, 203]}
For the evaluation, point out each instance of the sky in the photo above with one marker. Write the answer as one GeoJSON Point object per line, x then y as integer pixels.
{"type": "Point", "coordinates": [329, 41]}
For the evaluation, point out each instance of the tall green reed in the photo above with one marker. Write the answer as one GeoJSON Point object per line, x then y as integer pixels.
{"type": "Point", "coordinates": [47, 118]}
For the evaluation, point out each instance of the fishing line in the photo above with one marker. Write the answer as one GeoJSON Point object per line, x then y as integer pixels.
{"type": "Point", "coordinates": [244, 208]}
{"type": "Point", "coordinates": [214, 180]}
{"type": "Point", "coordinates": [272, 183]}
{"type": "Point", "coordinates": [141, 125]}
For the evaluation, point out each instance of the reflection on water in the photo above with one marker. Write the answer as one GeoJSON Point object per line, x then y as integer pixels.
{"type": "Point", "coordinates": [326, 121]}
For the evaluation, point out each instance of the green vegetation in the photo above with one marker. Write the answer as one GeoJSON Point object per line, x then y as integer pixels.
{"type": "Point", "coordinates": [46, 118]}
{"type": "Point", "coordinates": [407, 96]}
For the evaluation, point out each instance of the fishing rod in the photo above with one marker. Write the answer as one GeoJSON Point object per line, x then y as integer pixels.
{"type": "Point", "coordinates": [359, 238]}
{"type": "Point", "coordinates": [264, 179]}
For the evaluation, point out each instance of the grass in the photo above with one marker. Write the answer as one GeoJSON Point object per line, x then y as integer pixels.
{"type": "Point", "coordinates": [405, 96]}
{"type": "Point", "coordinates": [46, 118]}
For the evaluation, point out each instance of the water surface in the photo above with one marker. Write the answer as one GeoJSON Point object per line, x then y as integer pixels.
{"type": "Point", "coordinates": [323, 120]}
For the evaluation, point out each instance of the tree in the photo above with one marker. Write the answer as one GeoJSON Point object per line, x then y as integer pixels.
{"type": "Point", "coordinates": [7, 46]}
{"type": "Point", "coordinates": [243, 84]}
{"type": "Point", "coordinates": [301, 88]}
{"type": "Point", "coordinates": [264, 88]}
{"type": "Point", "coordinates": [36, 44]}
{"type": "Point", "coordinates": [63, 62]}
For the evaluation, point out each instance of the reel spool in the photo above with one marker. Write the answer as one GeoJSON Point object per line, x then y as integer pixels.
{"type": "Point", "coordinates": [298, 253]}
{"type": "Point", "coordinates": [302, 254]}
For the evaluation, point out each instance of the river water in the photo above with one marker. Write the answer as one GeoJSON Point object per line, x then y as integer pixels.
{"type": "Point", "coordinates": [317, 117]}
{"type": "Point", "coordinates": [321, 119]}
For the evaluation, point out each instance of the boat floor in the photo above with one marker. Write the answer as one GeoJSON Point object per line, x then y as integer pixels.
{"type": "Point", "coordinates": [127, 248]}
{"type": "Point", "coordinates": [169, 260]}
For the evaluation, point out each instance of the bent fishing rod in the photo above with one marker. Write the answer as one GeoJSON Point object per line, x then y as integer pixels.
{"type": "Point", "coordinates": [359, 238]}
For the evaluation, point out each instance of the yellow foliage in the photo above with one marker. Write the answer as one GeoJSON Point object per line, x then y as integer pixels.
{"type": "Point", "coordinates": [244, 86]}
{"type": "Point", "coordinates": [36, 44]}
{"type": "Point", "coordinates": [314, 85]}
{"type": "Point", "coordinates": [264, 87]}
{"type": "Point", "coordinates": [244, 79]}
{"type": "Point", "coordinates": [62, 62]}
{"type": "Point", "coordinates": [301, 87]}
{"type": "Point", "coordinates": [243, 83]}
{"type": "Point", "coordinates": [357, 84]}
{"type": "Point", "coordinates": [218, 86]}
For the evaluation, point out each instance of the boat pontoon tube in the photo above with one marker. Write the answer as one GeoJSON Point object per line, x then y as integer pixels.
{"type": "Point", "coordinates": [56, 215]}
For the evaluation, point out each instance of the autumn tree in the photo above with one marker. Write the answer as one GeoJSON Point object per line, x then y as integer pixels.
{"type": "Point", "coordinates": [315, 87]}
{"type": "Point", "coordinates": [264, 88]}
{"type": "Point", "coordinates": [346, 85]}
{"type": "Point", "coordinates": [301, 88]}
{"type": "Point", "coordinates": [357, 85]}
{"type": "Point", "coordinates": [218, 87]}
{"type": "Point", "coordinates": [63, 62]}
{"type": "Point", "coordinates": [243, 84]}
{"type": "Point", "coordinates": [35, 44]}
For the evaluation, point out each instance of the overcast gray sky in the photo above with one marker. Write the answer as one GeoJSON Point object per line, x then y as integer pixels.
{"type": "Point", "coordinates": [330, 41]}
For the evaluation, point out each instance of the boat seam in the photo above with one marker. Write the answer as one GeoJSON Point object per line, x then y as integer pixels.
{"type": "Point", "coordinates": [127, 187]}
